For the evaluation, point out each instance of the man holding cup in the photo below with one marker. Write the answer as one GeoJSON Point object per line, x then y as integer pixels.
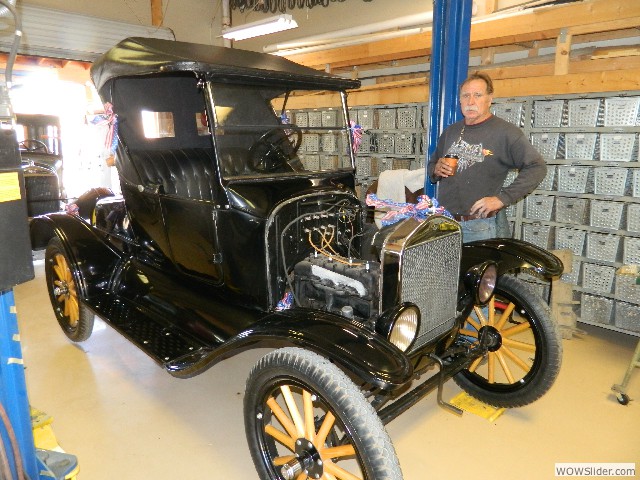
{"type": "Point", "coordinates": [473, 157]}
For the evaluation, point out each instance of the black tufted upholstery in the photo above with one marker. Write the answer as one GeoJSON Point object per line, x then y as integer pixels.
{"type": "Point", "coordinates": [187, 172]}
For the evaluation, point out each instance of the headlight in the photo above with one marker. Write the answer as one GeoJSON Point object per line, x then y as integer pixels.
{"type": "Point", "coordinates": [481, 281]}
{"type": "Point", "coordinates": [400, 325]}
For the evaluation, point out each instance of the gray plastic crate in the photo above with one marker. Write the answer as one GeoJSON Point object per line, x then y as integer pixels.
{"type": "Point", "coordinates": [407, 117]}
{"type": "Point", "coordinates": [606, 214]}
{"type": "Point", "coordinates": [567, 238]}
{"type": "Point", "coordinates": [384, 164]}
{"type": "Point", "coordinates": [301, 119]}
{"type": "Point", "coordinates": [366, 118]}
{"type": "Point", "coordinates": [580, 146]}
{"type": "Point", "coordinates": [329, 162]}
{"type": "Point", "coordinates": [596, 309]}
{"type": "Point", "coordinates": [385, 142]}
{"type": "Point", "coordinates": [315, 118]}
{"type": "Point", "coordinates": [573, 179]}
{"type": "Point", "coordinates": [627, 286]}
{"type": "Point", "coordinates": [583, 112]}
{"type": "Point", "coordinates": [548, 113]}
{"type": "Point", "coordinates": [310, 142]}
{"type": "Point", "coordinates": [365, 143]}
{"type": "Point", "coordinates": [539, 235]}
{"type": "Point", "coordinates": [598, 278]}
{"type": "Point", "coordinates": [572, 277]}
{"type": "Point", "coordinates": [366, 167]}
{"type": "Point", "coordinates": [329, 142]}
{"type": "Point", "coordinates": [602, 247]}
{"type": "Point", "coordinates": [329, 118]}
{"type": "Point", "coordinates": [621, 111]}
{"type": "Point", "coordinates": [631, 251]}
{"type": "Point", "coordinates": [539, 207]}
{"type": "Point", "coordinates": [627, 316]}
{"type": "Point", "coordinates": [512, 112]}
{"type": "Point", "coordinates": [546, 144]}
{"type": "Point", "coordinates": [610, 181]}
{"type": "Point", "coordinates": [571, 210]}
{"type": "Point", "coordinates": [310, 162]}
{"type": "Point", "coordinates": [386, 118]}
{"type": "Point", "coordinates": [511, 176]}
{"type": "Point", "coordinates": [404, 143]}
{"type": "Point", "coordinates": [633, 217]}
{"type": "Point", "coordinates": [548, 180]}
{"type": "Point", "coordinates": [635, 188]}
{"type": "Point", "coordinates": [617, 147]}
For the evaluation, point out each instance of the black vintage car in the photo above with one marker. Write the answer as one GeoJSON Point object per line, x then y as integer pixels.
{"type": "Point", "coordinates": [224, 239]}
{"type": "Point", "coordinates": [41, 161]}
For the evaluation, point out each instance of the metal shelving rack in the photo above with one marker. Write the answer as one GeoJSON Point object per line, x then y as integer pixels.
{"type": "Point", "coordinates": [590, 200]}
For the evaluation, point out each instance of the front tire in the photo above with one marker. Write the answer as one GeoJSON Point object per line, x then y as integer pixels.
{"type": "Point", "coordinates": [301, 410]}
{"type": "Point", "coordinates": [75, 318]}
{"type": "Point", "coordinates": [526, 355]}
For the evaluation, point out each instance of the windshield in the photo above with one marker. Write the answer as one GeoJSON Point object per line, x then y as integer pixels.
{"type": "Point", "coordinates": [260, 131]}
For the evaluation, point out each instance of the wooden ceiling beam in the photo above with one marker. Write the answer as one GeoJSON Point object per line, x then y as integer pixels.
{"type": "Point", "coordinates": [544, 23]}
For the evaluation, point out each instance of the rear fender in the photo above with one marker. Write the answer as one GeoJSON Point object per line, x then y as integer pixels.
{"type": "Point", "coordinates": [510, 255]}
{"type": "Point", "coordinates": [92, 259]}
{"type": "Point", "coordinates": [351, 345]}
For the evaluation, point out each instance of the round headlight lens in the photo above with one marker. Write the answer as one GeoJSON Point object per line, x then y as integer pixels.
{"type": "Point", "coordinates": [404, 329]}
{"type": "Point", "coordinates": [487, 283]}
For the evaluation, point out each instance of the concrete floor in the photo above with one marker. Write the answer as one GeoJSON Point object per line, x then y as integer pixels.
{"type": "Point", "coordinates": [125, 418]}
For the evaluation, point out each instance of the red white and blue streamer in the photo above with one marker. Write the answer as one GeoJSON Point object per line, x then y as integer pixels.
{"type": "Point", "coordinates": [396, 211]}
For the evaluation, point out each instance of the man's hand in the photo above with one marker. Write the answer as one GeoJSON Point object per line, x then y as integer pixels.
{"type": "Point", "coordinates": [485, 206]}
{"type": "Point", "coordinates": [442, 169]}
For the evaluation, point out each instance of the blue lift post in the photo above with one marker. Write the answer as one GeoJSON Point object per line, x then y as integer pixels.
{"type": "Point", "coordinates": [449, 66]}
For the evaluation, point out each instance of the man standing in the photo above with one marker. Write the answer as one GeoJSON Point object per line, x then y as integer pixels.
{"type": "Point", "coordinates": [487, 147]}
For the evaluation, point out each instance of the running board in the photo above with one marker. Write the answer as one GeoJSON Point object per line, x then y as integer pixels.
{"type": "Point", "coordinates": [156, 335]}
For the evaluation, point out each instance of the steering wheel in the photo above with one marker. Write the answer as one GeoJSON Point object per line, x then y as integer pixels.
{"type": "Point", "coordinates": [275, 148]}
{"type": "Point", "coordinates": [33, 145]}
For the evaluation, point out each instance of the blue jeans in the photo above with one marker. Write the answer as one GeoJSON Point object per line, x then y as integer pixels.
{"type": "Point", "coordinates": [479, 229]}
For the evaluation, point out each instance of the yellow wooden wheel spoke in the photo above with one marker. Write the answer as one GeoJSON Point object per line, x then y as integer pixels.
{"type": "Point", "coordinates": [339, 472]}
{"type": "Point", "coordinates": [473, 323]}
{"type": "Point", "coordinates": [293, 409]}
{"type": "Point", "coordinates": [516, 329]}
{"type": "Point", "coordinates": [325, 428]}
{"type": "Point", "coordinates": [505, 316]}
{"type": "Point", "coordinates": [481, 317]}
{"type": "Point", "coordinates": [492, 367]}
{"type": "Point", "coordinates": [514, 358]}
{"type": "Point", "coordinates": [475, 364]}
{"type": "Point", "coordinates": [518, 345]}
{"type": "Point", "coordinates": [282, 417]}
{"type": "Point", "coordinates": [279, 461]}
{"type": "Point", "coordinates": [327, 476]}
{"type": "Point", "coordinates": [337, 452]}
{"type": "Point", "coordinates": [469, 333]}
{"type": "Point", "coordinates": [310, 429]}
{"type": "Point", "coordinates": [492, 311]}
{"type": "Point", "coordinates": [281, 437]}
{"type": "Point", "coordinates": [505, 367]}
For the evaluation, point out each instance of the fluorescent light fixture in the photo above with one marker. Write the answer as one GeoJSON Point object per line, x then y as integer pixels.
{"type": "Point", "coordinates": [261, 27]}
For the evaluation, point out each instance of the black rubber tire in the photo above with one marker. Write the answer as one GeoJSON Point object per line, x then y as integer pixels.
{"type": "Point", "coordinates": [356, 422]}
{"type": "Point", "coordinates": [623, 399]}
{"type": "Point", "coordinates": [542, 337]}
{"type": "Point", "coordinates": [75, 318]}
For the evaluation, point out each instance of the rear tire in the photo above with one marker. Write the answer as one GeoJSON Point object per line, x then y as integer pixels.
{"type": "Point", "coordinates": [75, 318]}
{"type": "Point", "coordinates": [526, 359]}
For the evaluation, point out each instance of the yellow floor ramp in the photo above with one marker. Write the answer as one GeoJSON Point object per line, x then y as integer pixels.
{"type": "Point", "coordinates": [469, 404]}
{"type": "Point", "coordinates": [63, 466]}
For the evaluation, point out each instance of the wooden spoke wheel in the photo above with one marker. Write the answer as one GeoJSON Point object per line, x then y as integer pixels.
{"type": "Point", "coordinates": [74, 317]}
{"type": "Point", "coordinates": [524, 347]}
{"type": "Point", "coordinates": [305, 418]}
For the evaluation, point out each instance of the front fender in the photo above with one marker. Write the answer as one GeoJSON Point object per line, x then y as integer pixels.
{"type": "Point", "coordinates": [511, 254]}
{"type": "Point", "coordinates": [92, 259]}
{"type": "Point", "coordinates": [351, 345]}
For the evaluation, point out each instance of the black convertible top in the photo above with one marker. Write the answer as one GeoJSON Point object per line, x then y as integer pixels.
{"type": "Point", "coordinates": [145, 56]}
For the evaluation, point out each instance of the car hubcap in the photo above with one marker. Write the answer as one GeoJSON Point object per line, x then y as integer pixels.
{"type": "Point", "coordinates": [64, 290]}
{"type": "Point", "coordinates": [509, 339]}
